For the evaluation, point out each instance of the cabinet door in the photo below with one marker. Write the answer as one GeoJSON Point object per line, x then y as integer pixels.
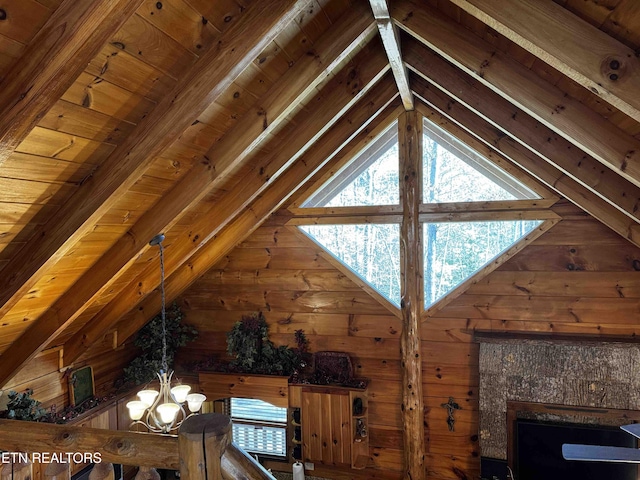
{"type": "Point", "coordinates": [326, 426]}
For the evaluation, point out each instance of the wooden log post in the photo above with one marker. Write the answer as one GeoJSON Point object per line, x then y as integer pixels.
{"type": "Point", "coordinates": [147, 473]}
{"type": "Point", "coordinates": [18, 470]}
{"type": "Point", "coordinates": [202, 441]}
{"type": "Point", "coordinates": [102, 471]}
{"type": "Point", "coordinates": [410, 134]}
{"type": "Point", "coordinates": [57, 470]}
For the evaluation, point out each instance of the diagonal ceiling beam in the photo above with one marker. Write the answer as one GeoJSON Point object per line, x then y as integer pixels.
{"type": "Point", "coordinates": [55, 57]}
{"type": "Point", "coordinates": [572, 46]}
{"type": "Point", "coordinates": [233, 148]}
{"type": "Point", "coordinates": [520, 126]}
{"type": "Point", "coordinates": [361, 119]}
{"type": "Point", "coordinates": [539, 98]}
{"type": "Point", "coordinates": [391, 43]}
{"type": "Point", "coordinates": [459, 121]}
{"type": "Point", "coordinates": [323, 111]}
{"type": "Point", "coordinates": [214, 72]}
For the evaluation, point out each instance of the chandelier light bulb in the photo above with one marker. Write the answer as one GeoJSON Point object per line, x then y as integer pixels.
{"type": "Point", "coordinates": [194, 401]}
{"type": "Point", "coordinates": [168, 412]}
{"type": "Point", "coordinates": [136, 409]}
{"type": "Point", "coordinates": [180, 393]}
{"type": "Point", "coordinates": [147, 396]}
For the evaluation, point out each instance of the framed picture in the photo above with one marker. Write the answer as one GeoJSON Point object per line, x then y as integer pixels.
{"type": "Point", "coordinates": [81, 387]}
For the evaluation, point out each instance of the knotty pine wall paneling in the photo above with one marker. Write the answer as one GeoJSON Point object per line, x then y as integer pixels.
{"type": "Point", "coordinates": [578, 278]}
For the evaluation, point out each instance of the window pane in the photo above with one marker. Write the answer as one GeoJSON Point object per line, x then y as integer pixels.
{"type": "Point", "coordinates": [259, 427]}
{"type": "Point", "coordinates": [453, 252]}
{"type": "Point", "coordinates": [371, 178]}
{"type": "Point", "coordinates": [251, 409]}
{"type": "Point", "coordinates": [452, 172]}
{"type": "Point", "coordinates": [371, 251]}
{"type": "Point", "coordinates": [261, 439]}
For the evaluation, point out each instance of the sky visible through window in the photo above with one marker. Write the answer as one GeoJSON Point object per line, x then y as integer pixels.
{"type": "Point", "coordinates": [452, 251]}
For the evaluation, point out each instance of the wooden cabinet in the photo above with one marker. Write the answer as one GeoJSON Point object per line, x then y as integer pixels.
{"type": "Point", "coordinates": [331, 433]}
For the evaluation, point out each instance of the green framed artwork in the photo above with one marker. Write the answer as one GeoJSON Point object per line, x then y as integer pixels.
{"type": "Point", "coordinates": [81, 387]}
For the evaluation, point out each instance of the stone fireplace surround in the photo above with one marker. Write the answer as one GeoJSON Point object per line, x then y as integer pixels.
{"type": "Point", "coordinates": [567, 371]}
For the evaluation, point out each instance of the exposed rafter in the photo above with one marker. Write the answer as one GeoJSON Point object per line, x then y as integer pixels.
{"type": "Point", "coordinates": [513, 81]}
{"type": "Point", "coordinates": [373, 108]}
{"type": "Point", "coordinates": [240, 141]}
{"type": "Point", "coordinates": [55, 57]}
{"type": "Point", "coordinates": [391, 43]}
{"type": "Point", "coordinates": [327, 108]}
{"type": "Point", "coordinates": [459, 121]}
{"type": "Point", "coordinates": [237, 47]}
{"type": "Point", "coordinates": [520, 126]}
{"type": "Point", "coordinates": [574, 47]}
{"type": "Point", "coordinates": [208, 78]}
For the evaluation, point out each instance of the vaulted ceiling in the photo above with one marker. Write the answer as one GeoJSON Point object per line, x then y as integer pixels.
{"type": "Point", "coordinates": [198, 118]}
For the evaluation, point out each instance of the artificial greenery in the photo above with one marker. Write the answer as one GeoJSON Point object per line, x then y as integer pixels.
{"type": "Point", "coordinates": [248, 342]}
{"type": "Point", "coordinates": [22, 407]}
{"type": "Point", "coordinates": [143, 368]}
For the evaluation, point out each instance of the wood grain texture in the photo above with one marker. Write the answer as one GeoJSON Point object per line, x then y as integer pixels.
{"type": "Point", "coordinates": [227, 154]}
{"type": "Point", "coordinates": [521, 127]}
{"type": "Point", "coordinates": [199, 87]}
{"type": "Point", "coordinates": [412, 406]}
{"type": "Point", "coordinates": [536, 96]}
{"type": "Point", "coordinates": [52, 61]}
{"type": "Point", "coordinates": [391, 42]}
{"type": "Point", "coordinates": [329, 105]}
{"type": "Point", "coordinates": [484, 137]}
{"type": "Point", "coordinates": [582, 52]}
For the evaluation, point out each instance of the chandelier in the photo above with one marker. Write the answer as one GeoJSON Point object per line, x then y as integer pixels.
{"type": "Point", "coordinates": [162, 411]}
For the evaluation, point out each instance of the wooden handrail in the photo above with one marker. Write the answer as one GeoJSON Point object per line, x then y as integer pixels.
{"type": "Point", "coordinates": [202, 450]}
{"type": "Point", "coordinates": [115, 446]}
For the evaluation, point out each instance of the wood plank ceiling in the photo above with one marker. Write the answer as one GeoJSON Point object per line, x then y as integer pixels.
{"type": "Point", "coordinates": [199, 118]}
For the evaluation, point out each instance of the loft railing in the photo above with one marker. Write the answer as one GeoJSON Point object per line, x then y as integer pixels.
{"type": "Point", "coordinates": [202, 450]}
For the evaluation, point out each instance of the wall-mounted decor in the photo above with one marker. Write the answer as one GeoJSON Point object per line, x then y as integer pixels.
{"type": "Point", "coordinates": [81, 387]}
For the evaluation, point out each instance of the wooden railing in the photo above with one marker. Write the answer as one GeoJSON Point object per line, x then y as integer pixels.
{"type": "Point", "coordinates": [201, 451]}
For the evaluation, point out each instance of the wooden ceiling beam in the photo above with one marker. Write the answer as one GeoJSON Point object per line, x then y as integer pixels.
{"type": "Point", "coordinates": [233, 148]}
{"type": "Point", "coordinates": [52, 61]}
{"type": "Point", "coordinates": [453, 117]}
{"type": "Point", "coordinates": [236, 48]}
{"type": "Point", "coordinates": [353, 128]}
{"type": "Point", "coordinates": [592, 58]}
{"type": "Point", "coordinates": [523, 128]}
{"type": "Point", "coordinates": [391, 42]}
{"type": "Point", "coordinates": [213, 73]}
{"type": "Point", "coordinates": [324, 110]}
{"type": "Point", "coordinates": [539, 98]}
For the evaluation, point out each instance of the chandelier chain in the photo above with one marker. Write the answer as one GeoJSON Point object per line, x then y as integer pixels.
{"type": "Point", "coordinates": [163, 313]}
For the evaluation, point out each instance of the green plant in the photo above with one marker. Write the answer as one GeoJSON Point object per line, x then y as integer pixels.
{"type": "Point", "coordinates": [248, 342]}
{"type": "Point", "coordinates": [22, 407]}
{"type": "Point", "coordinates": [144, 367]}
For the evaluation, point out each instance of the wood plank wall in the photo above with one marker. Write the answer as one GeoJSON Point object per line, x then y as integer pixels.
{"type": "Point", "coordinates": [50, 385]}
{"type": "Point", "coordinates": [578, 278]}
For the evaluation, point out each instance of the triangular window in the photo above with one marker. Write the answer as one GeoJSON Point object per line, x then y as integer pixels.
{"type": "Point", "coordinates": [455, 251]}
{"type": "Point", "coordinates": [371, 251]}
{"type": "Point", "coordinates": [371, 178]}
{"type": "Point", "coordinates": [452, 172]}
